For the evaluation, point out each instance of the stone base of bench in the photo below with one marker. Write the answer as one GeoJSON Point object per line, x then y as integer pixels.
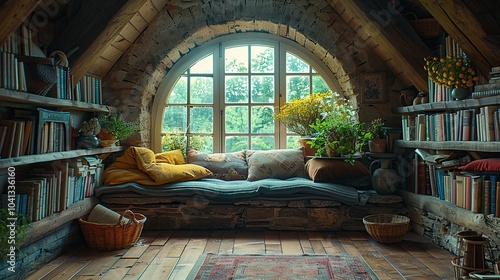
{"type": "Point", "coordinates": [302, 214]}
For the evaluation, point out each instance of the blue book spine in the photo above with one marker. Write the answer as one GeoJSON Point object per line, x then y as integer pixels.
{"type": "Point", "coordinates": [493, 193]}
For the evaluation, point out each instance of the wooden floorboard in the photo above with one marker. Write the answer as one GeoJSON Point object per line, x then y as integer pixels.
{"type": "Point", "coordinates": [172, 254]}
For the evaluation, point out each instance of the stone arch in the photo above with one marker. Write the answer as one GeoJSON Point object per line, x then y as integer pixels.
{"type": "Point", "coordinates": [179, 28]}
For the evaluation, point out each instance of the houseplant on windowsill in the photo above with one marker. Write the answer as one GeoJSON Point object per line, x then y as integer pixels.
{"type": "Point", "coordinates": [299, 114]}
{"type": "Point", "coordinates": [115, 128]}
{"type": "Point", "coordinates": [455, 72]}
{"type": "Point", "coordinates": [375, 136]}
{"type": "Point", "coordinates": [339, 133]}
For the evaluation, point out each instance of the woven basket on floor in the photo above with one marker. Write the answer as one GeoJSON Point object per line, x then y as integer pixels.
{"type": "Point", "coordinates": [387, 228]}
{"type": "Point", "coordinates": [107, 237]}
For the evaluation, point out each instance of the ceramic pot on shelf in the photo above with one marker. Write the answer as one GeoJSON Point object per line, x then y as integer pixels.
{"type": "Point", "coordinates": [377, 145]}
{"type": "Point", "coordinates": [87, 142]}
{"type": "Point", "coordinates": [308, 151]}
{"type": "Point", "coordinates": [460, 93]}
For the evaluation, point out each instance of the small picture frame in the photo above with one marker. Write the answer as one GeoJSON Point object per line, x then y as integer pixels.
{"type": "Point", "coordinates": [373, 88]}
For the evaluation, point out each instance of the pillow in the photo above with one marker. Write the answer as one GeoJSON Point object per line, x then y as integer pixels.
{"type": "Point", "coordinates": [280, 164]}
{"type": "Point", "coordinates": [163, 173]}
{"type": "Point", "coordinates": [172, 157]}
{"type": "Point", "coordinates": [334, 170]}
{"type": "Point", "coordinates": [487, 165]}
{"type": "Point", "coordinates": [229, 166]}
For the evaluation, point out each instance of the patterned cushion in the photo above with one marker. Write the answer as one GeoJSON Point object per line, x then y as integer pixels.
{"type": "Point", "coordinates": [229, 166]}
{"type": "Point", "coordinates": [279, 164]}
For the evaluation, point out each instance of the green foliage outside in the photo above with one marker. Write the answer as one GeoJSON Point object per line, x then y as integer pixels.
{"type": "Point", "coordinates": [249, 103]}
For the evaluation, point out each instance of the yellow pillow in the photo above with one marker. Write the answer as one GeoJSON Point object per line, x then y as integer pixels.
{"type": "Point", "coordinates": [164, 173]}
{"type": "Point", "coordinates": [172, 157]}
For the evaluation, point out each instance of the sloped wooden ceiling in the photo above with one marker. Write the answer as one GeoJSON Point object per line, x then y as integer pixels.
{"type": "Point", "coordinates": [475, 25]}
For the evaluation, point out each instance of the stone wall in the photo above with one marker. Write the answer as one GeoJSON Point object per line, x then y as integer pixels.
{"type": "Point", "coordinates": [182, 26]}
{"type": "Point", "coordinates": [164, 213]}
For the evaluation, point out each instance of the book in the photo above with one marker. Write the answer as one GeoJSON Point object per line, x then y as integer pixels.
{"type": "Point", "coordinates": [486, 197]}
{"type": "Point", "coordinates": [476, 194]}
{"type": "Point", "coordinates": [9, 140]}
{"type": "Point", "coordinates": [497, 200]}
{"type": "Point", "coordinates": [493, 193]}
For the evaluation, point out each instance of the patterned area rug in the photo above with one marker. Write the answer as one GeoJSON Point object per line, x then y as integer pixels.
{"type": "Point", "coordinates": [281, 267]}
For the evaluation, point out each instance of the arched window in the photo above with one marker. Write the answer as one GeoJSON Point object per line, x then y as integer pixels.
{"type": "Point", "coordinates": [223, 96]}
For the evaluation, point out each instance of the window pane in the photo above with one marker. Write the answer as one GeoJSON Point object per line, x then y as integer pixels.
{"type": "Point", "coordinates": [292, 142]}
{"type": "Point", "coordinates": [263, 89]}
{"type": "Point", "coordinates": [236, 143]}
{"type": "Point", "coordinates": [236, 119]}
{"type": "Point", "coordinates": [202, 143]}
{"type": "Point", "coordinates": [319, 84]}
{"type": "Point", "coordinates": [262, 59]}
{"type": "Point", "coordinates": [175, 119]}
{"type": "Point", "coordinates": [202, 90]}
{"type": "Point", "coordinates": [296, 87]}
{"type": "Point", "coordinates": [204, 66]}
{"type": "Point", "coordinates": [262, 119]}
{"type": "Point", "coordinates": [262, 142]}
{"type": "Point", "coordinates": [179, 93]}
{"type": "Point", "coordinates": [295, 64]}
{"type": "Point", "coordinates": [236, 89]}
{"type": "Point", "coordinates": [201, 120]}
{"type": "Point", "coordinates": [236, 60]}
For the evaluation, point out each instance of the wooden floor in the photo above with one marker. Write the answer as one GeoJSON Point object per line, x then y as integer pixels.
{"type": "Point", "coordinates": [171, 254]}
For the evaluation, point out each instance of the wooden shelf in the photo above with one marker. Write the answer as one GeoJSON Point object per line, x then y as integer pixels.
{"type": "Point", "coordinates": [48, 224]}
{"type": "Point", "coordinates": [448, 105]}
{"type": "Point", "coordinates": [29, 159]}
{"type": "Point", "coordinates": [451, 145]}
{"type": "Point", "coordinates": [39, 100]}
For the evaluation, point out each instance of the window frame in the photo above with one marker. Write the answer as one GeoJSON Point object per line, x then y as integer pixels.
{"type": "Point", "coordinates": [216, 46]}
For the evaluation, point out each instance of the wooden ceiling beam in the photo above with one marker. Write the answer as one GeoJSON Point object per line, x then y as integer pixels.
{"type": "Point", "coordinates": [462, 25]}
{"type": "Point", "coordinates": [90, 55]}
{"type": "Point", "coordinates": [407, 53]}
{"type": "Point", "coordinates": [12, 14]}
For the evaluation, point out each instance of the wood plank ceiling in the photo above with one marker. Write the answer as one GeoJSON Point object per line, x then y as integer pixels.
{"type": "Point", "coordinates": [103, 32]}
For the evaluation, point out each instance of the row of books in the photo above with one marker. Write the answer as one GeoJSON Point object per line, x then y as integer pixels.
{"type": "Point", "coordinates": [477, 193]}
{"type": "Point", "coordinates": [481, 124]}
{"type": "Point", "coordinates": [50, 189]}
{"type": "Point", "coordinates": [491, 88]}
{"type": "Point", "coordinates": [30, 132]}
{"type": "Point", "coordinates": [88, 89]}
{"type": "Point", "coordinates": [19, 42]}
{"type": "Point", "coordinates": [12, 72]}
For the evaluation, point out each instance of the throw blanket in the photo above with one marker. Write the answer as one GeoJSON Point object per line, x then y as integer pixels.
{"type": "Point", "coordinates": [223, 192]}
{"type": "Point", "coordinates": [143, 166]}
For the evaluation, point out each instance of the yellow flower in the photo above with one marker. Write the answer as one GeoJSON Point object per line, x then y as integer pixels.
{"type": "Point", "coordinates": [451, 71]}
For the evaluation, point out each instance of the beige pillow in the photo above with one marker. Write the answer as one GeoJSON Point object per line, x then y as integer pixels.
{"type": "Point", "coordinates": [280, 164]}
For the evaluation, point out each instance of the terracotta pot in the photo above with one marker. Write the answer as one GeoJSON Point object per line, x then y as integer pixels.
{"type": "Point", "coordinates": [308, 151]}
{"type": "Point", "coordinates": [377, 145]}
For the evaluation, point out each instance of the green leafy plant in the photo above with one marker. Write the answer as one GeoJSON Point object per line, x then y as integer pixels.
{"type": "Point", "coordinates": [375, 130]}
{"type": "Point", "coordinates": [171, 142]}
{"type": "Point", "coordinates": [117, 126]}
{"type": "Point", "coordinates": [11, 235]}
{"type": "Point", "coordinates": [338, 133]}
{"type": "Point", "coordinates": [451, 71]}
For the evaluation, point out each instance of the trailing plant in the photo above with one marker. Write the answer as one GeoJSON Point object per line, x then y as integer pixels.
{"type": "Point", "coordinates": [115, 125]}
{"type": "Point", "coordinates": [12, 233]}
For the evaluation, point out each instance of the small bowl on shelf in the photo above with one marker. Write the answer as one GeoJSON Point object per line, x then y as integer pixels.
{"type": "Point", "coordinates": [107, 143]}
{"type": "Point", "coordinates": [387, 228]}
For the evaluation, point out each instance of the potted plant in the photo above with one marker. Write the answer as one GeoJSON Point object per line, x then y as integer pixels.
{"type": "Point", "coordinates": [338, 133]}
{"type": "Point", "coordinates": [299, 114]}
{"type": "Point", "coordinates": [375, 136]}
{"type": "Point", "coordinates": [115, 128]}
{"type": "Point", "coordinates": [455, 72]}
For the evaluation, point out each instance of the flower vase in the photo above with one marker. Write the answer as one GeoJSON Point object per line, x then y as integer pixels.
{"type": "Point", "coordinates": [384, 179]}
{"type": "Point", "coordinates": [460, 93]}
{"type": "Point", "coordinates": [87, 142]}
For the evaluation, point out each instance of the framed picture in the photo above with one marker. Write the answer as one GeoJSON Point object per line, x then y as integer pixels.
{"type": "Point", "coordinates": [373, 88]}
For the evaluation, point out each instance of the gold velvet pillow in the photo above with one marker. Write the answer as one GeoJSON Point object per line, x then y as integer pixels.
{"type": "Point", "coordinates": [172, 157]}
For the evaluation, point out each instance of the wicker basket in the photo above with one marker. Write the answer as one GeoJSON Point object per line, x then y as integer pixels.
{"type": "Point", "coordinates": [425, 27]}
{"type": "Point", "coordinates": [106, 237]}
{"type": "Point", "coordinates": [387, 228]}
